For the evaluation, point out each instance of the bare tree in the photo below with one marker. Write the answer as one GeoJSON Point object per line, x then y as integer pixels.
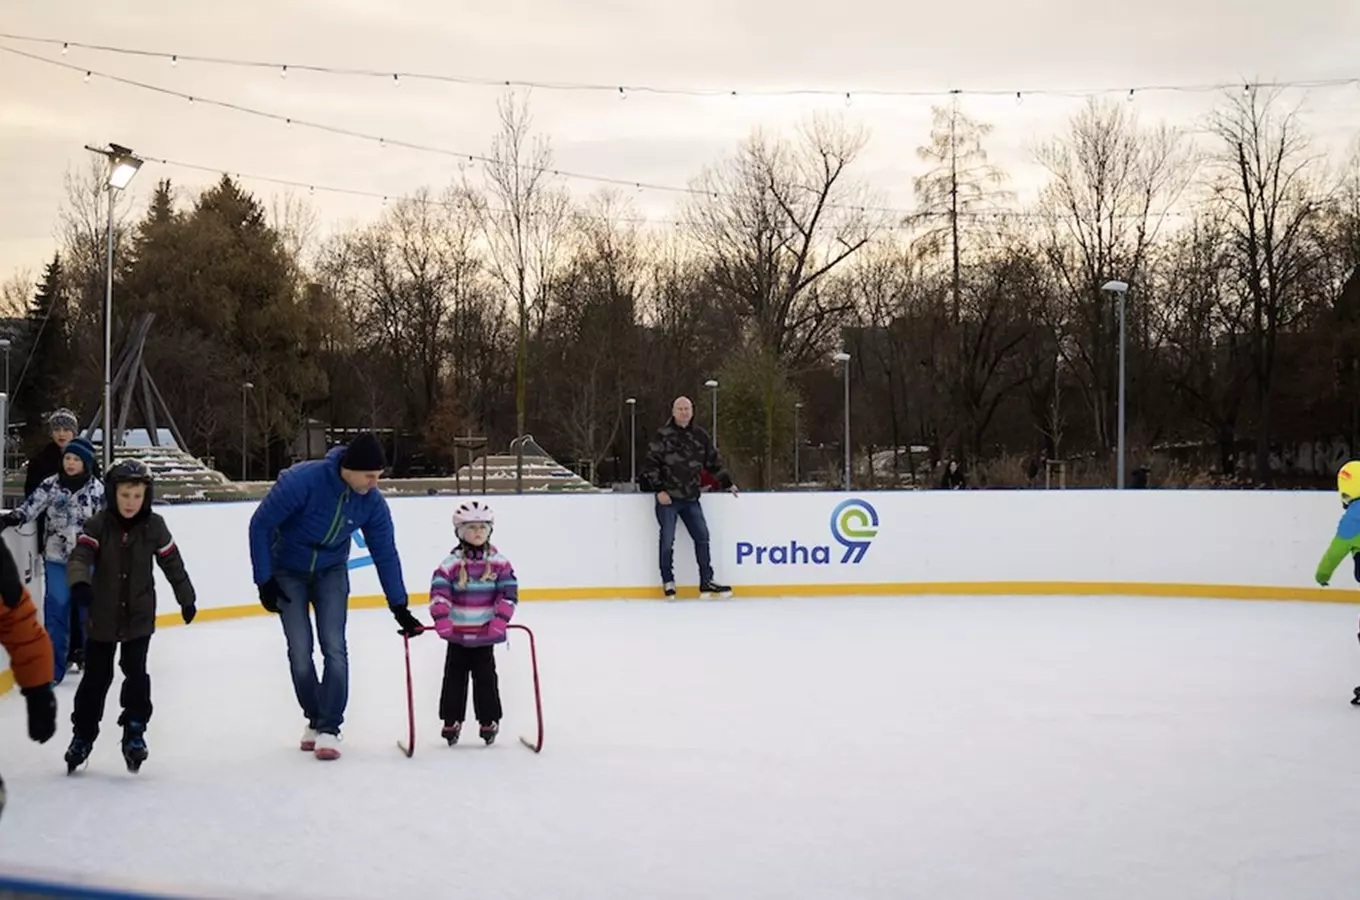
{"type": "Point", "coordinates": [592, 332]}
{"type": "Point", "coordinates": [1112, 185]}
{"type": "Point", "coordinates": [522, 221]}
{"type": "Point", "coordinates": [401, 280]}
{"type": "Point", "coordinates": [1269, 200]}
{"type": "Point", "coordinates": [960, 183]}
{"type": "Point", "coordinates": [16, 294]}
{"type": "Point", "coordinates": [773, 221]}
{"type": "Point", "coordinates": [1208, 332]}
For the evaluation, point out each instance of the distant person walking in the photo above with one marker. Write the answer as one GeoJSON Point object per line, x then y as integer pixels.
{"type": "Point", "coordinates": [675, 461]}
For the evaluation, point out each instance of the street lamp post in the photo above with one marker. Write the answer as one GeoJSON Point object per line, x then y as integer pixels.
{"type": "Point", "coordinates": [123, 165]}
{"type": "Point", "coordinates": [5, 345]}
{"type": "Point", "coordinates": [1121, 288]}
{"type": "Point", "coordinates": [246, 387]}
{"type": "Point", "coordinates": [797, 446]}
{"type": "Point", "coordinates": [712, 385]}
{"type": "Point", "coordinates": [632, 441]}
{"type": "Point", "coordinates": [844, 359]}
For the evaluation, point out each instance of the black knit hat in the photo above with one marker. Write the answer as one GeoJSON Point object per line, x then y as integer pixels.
{"type": "Point", "coordinates": [364, 454]}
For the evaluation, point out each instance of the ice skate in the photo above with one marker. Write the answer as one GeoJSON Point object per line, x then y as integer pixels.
{"type": "Point", "coordinates": [1355, 699]}
{"type": "Point", "coordinates": [710, 590]}
{"type": "Point", "coordinates": [488, 732]}
{"type": "Point", "coordinates": [451, 732]}
{"type": "Point", "coordinates": [669, 589]}
{"type": "Point", "coordinates": [76, 661]}
{"type": "Point", "coordinates": [134, 745]}
{"type": "Point", "coordinates": [77, 753]}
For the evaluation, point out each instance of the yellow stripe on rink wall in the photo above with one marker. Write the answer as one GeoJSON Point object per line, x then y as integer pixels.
{"type": "Point", "coordinates": [902, 589]}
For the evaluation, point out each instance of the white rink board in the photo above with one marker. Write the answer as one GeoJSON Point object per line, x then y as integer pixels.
{"type": "Point", "coordinates": [606, 544]}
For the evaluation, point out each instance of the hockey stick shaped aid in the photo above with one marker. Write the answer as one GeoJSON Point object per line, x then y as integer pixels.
{"type": "Point", "coordinates": [409, 748]}
{"type": "Point", "coordinates": [536, 746]}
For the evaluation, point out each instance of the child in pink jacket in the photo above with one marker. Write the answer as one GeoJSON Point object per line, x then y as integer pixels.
{"type": "Point", "coordinates": [473, 595]}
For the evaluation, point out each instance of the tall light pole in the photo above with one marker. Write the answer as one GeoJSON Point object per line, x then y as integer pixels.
{"type": "Point", "coordinates": [797, 446]}
{"type": "Point", "coordinates": [712, 385]}
{"type": "Point", "coordinates": [122, 166]}
{"type": "Point", "coordinates": [1121, 288]}
{"type": "Point", "coordinates": [844, 359]}
{"type": "Point", "coordinates": [632, 441]}
{"type": "Point", "coordinates": [246, 387]}
{"type": "Point", "coordinates": [4, 345]}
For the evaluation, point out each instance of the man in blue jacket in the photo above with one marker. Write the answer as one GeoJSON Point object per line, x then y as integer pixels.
{"type": "Point", "coordinates": [299, 549]}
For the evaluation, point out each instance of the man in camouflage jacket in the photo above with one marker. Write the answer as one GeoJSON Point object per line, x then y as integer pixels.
{"type": "Point", "coordinates": [675, 458]}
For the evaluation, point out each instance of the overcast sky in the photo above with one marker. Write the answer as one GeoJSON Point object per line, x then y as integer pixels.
{"type": "Point", "coordinates": [47, 113]}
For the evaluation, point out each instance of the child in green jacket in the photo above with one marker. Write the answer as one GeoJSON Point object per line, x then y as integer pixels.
{"type": "Point", "coordinates": [1347, 539]}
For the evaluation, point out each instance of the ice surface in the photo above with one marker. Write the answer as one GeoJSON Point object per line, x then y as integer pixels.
{"type": "Point", "coordinates": [834, 748]}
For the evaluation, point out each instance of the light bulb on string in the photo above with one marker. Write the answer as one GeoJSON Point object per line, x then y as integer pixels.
{"type": "Point", "coordinates": [64, 48]}
{"type": "Point", "coordinates": [283, 73]}
{"type": "Point", "coordinates": [174, 60]}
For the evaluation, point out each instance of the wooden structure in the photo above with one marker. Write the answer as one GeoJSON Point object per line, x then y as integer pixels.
{"type": "Point", "coordinates": [132, 385]}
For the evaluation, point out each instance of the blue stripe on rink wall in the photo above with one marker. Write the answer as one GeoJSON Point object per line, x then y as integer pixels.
{"type": "Point", "coordinates": [31, 884]}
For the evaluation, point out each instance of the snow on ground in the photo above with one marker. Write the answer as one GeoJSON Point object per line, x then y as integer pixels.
{"type": "Point", "coordinates": [840, 748]}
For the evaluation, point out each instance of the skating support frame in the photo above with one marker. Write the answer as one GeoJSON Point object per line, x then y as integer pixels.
{"type": "Point", "coordinates": [536, 745]}
{"type": "Point", "coordinates": [409, 747]}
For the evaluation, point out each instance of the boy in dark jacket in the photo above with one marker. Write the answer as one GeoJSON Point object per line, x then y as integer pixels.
{"type": "Point", "coordinates": [110, 572]}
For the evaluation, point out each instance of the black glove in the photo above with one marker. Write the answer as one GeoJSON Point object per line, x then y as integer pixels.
{"type": "Point", "coordinates": [188, 612]}
{"type": "Point", "coordinates": [410, 625]}
{"type": "Point", "coordinates": [82, 595]}
{"type": "Point", "coordinates": [10, 519]}
{"type": "Point", "coordinates": [271, 596]}
{"type": "Point", "coordinates": [42, 712]}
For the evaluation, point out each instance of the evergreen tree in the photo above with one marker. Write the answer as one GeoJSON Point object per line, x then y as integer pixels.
{"type": "Point", "coordinates": [44, 382]}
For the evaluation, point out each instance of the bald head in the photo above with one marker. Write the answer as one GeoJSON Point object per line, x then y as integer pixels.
{"type": "Point", "coordinates": [682, 410]}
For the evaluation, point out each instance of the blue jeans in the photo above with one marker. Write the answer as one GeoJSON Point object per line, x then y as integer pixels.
{"type": "Point", "coordinates": [689, 512]}
{"type": "Point", "coordinates": [57, 614]}
{"type": "Point", "coordinates": [322, 700]}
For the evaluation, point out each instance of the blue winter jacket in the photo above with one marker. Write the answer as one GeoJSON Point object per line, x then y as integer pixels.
{"type": "Point", "coordinates": [306, 522]}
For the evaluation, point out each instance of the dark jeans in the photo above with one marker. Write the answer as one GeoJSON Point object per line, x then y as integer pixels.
{"type": "Point", "coordinates": [480, 663]}
{"type": "Point", "coordinates": [135, 697]}
{"type": "Point", "coordinates": [689, 512]}
{"type": "Point", "coordinates": [323, 700]}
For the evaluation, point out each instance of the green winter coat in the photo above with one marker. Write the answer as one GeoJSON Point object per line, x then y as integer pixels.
{"type": "Point", "coordinates": [115, 556]}
{"type": "Point", "coordinates": [1345, 543]}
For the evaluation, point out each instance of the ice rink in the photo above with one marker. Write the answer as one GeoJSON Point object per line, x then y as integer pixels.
{"type": "Point", "coordinates": [950, 747]}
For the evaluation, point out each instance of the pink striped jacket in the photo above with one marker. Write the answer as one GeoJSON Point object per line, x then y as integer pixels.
{"type": "Point", "coordinates": [473, 596]}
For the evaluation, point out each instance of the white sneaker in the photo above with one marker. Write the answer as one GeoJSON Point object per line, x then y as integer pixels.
{"type": "Point", "coordinates": [308, 742]}
{"type": "Point", "coordinates": [327, 745]}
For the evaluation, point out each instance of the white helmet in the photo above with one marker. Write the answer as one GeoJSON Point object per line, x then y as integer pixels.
{"type": "Point", "coordinates": [471, 512]}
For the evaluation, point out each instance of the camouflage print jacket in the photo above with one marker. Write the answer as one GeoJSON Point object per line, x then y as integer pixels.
{"type": "Point", "coordinates": [675, 457]}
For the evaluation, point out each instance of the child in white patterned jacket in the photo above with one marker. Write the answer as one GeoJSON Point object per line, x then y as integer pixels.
{"type": "Point", "coordinates": [69, 498]}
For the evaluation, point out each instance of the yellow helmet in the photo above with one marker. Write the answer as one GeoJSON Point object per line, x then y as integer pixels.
{"type": "Point", "coordinates": [1348, 481]}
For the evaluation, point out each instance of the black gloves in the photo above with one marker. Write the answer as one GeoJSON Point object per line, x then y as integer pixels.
{"type": "Point", "coordinates": [410, 625]}
{"type": "Point", "coordinates": [10, 519]}
{"type": "Point", "coordinates": [42, 712]}
{"type": "Point", "coordinates": [82, 595]}
{"type": "Point", "coordinates": [270, 595]}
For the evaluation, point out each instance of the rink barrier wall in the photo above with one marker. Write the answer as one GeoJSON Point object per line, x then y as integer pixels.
{"type": "Point", "coordinates": [1242, 545]}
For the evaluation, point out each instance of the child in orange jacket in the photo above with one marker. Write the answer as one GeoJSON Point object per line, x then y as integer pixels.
{"type": "Point", "coordinates": [30, 653]}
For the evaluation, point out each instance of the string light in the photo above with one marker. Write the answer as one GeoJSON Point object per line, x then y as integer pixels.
{"type": "Point", "coordinates": [622, 89]}
{"type": "Point", "coordinates": [313, 188]}
{"type": "Point", "coordinates": [384, 142]}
